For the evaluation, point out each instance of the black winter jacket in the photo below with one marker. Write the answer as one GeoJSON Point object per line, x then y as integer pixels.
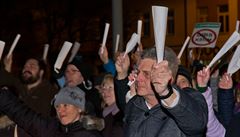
{"type": "Point", "coordinates": [35, 124]}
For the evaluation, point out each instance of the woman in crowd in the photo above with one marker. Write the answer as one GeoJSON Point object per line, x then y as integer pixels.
{"type": "Point", "coordinates": [112, 115]}
{"type": "Point", "coordinates": [70, 121]}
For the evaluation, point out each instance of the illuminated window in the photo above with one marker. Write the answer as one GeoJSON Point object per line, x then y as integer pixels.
{"type": "Point", "coordinates": [223, 18]}
{"type": "Point", "coordinates": [202, 14]}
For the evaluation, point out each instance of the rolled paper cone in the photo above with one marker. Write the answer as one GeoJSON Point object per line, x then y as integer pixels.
{"type": "Point", "coordinates": [74, 50]}
{"type": "Point", "coordinates": [238, 62]}
{"type": "Point", "coordinates": [183, 48]}
{"type": "Point", "coordinates": [105, 36]}
{"type": "Point", "coordinates": [234, 64]}
{"type": "Point", "coordinates": [160, 25]}
{"type": "Point", "coordinates": [234, 38]}
{"type": "Point", "coordinates": [139, 31]}
{"type": "Point", "coordinates": [13, 45]}
{"type": "Point", "coordinates": [117, 43]}
{"type": "Point", "coordinates": [2, 44]}
{"type": "Point", "coordinates": [131, 44]}
{"type": "Point", "coordinates": [45, 51]}
{"type": "Point", "coordinates": [62, 55]}
{"type": "Point", "coordinates": [237, 26]}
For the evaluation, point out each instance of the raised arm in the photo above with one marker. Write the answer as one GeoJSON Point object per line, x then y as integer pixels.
{"type": "Point", "coordinates": [187, 106]}
{"type": "Point", "coordinates": [120, 83]}
{"type": "Point", "coordinates": [214, 127]}
{"type": "Point", "coordinates": [108, 64]}
{"type": "Point", "coordinates": [24, 117]}
{"type": "Point", "coordinates": [225, 99]}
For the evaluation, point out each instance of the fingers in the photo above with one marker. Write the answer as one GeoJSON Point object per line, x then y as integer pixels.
{"type": "Point", "coordinates": [226, 78]}
{"type": "Point", "coordinates": [161, 75]}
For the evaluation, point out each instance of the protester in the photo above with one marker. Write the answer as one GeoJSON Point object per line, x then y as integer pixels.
{"type": "Point", "coordinates": [78, 73]}
{"type": "Point", "coordinates": [183, 78]}
{"type": "Point", "coordinates": [70, 106]}
{"type": "Point", "coordinates": [160, 108]}
{"type": "Point", "coordinates": [214, 127]}
{"type": "Point", "coordinates": [113, 117]}
{"type": "Point", "coordinates": [32, 87]}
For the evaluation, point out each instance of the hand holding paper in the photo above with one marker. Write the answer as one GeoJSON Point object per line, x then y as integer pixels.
{"type": "Point", "coordinates": [131, 44]}
{"type": "Point", "coordinates": [234, 38]}
{"type": "Point", "coordinates": [2, 44]}
{"type": "Point", "coordinates": [62, 55]}
{"type": "Point", "coordinates": [160, 24]}
{"type": "Point", "coordinates": [105, 35]}
{"type": "Point", "coordinates": [13, 45]}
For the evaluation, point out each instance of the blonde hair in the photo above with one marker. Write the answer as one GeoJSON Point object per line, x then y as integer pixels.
{"type": "Point", "coordinates": [107, 77]}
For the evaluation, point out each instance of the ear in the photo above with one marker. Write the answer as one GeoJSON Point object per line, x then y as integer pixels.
{"type": "Point", "coordinates": [171, 81]}
{"type": "Point", "coordinates": [80, 110]}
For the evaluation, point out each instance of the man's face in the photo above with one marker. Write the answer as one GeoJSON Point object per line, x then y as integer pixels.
{"type": "Point", "coordinates": [73, 76]}
{"type": "Point", "coordinates": [143, 83]}
{"type": "Point", "coordinates": [31, 72]}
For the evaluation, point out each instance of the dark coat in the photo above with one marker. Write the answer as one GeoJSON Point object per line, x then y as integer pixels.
{"type": "Point", "coordinates": [38, 98]}
{"type": "Point", "coordinates": [113, 125]}
{"type": "Point", "coordinates": [188, 118]}
{"type": "Point", "coordinates": [233, 127]}
{"type": "Point", "coordinates": [225, 105]}
{"type": "Point", "coordinates": [35, 124]}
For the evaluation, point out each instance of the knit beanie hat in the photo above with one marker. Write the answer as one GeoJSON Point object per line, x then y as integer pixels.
{"type": "Point", "coordinates": [82, 66]}
{"type": "Point", "coordinates": [184, 72]}
{"type": "Point", "coordinates": [70, 95]}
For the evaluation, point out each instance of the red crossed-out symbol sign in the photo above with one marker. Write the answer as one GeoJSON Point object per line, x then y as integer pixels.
{"type": "Point", "coordinates": [204, 37]}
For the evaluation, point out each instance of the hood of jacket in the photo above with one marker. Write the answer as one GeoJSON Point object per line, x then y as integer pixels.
{"type": "Point", "coordinates": [5, 122]}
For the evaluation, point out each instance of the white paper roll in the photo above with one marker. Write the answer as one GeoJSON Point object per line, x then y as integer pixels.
{"type": "Point", "coordinates": [105, 36]}
{"type": "Point", "coordinates": [131, 44]}
{"type": "Point", "coordinates": [45, 52]}
{"type": "Point", "coordinates": [117, 42]}
{"type": "Point", "coordinates": [160, 25]}
{"type": "Point", "coordinates": [234, 64]}
{"type": "Point", "coordinates": [183, 47]}
{"type": "Point", "coordinates": [139, 31]}
{"type": "Point", "coordinates": [74, 50]}
{"type": "Point", "coordinates": [237, 26]}
{"type": "Point", "coordinates": [13, 45]}
{"type": "Point", "coordinates": [2, 44]}
{"type": "Point", "coordinates": [62, 55]}
{"type": "Point", "coordinates": [234, 38]}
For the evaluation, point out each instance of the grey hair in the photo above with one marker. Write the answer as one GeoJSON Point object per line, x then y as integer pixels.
{"type": "Point", "coordinates": [169, 55]}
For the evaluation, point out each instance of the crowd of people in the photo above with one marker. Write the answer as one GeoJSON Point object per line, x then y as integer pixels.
{"type": "Point", "coordinates": [134, 97]}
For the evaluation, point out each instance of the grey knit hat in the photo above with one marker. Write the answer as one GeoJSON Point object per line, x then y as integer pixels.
{"type": "Point", "coordinates": [70, 95]}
